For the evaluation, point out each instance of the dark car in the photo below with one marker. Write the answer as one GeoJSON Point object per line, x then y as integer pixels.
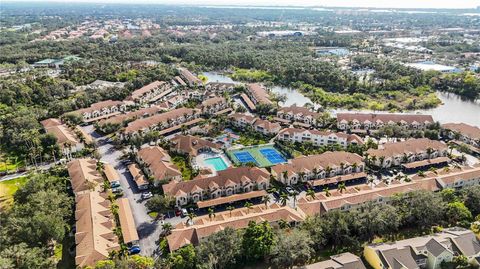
{"type": "Point", "coordinates": [134, 250]}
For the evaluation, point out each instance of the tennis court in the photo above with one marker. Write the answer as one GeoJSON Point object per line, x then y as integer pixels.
{"type": "Point", "coordinates": [273, 155]}
{"type": "Point", "coordinates": [261, 156]}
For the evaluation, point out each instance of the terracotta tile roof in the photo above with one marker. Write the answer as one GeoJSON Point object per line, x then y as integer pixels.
{"type": "Point", "coordinates": [212, 102]}
{"type": "Point", "coordinates": [247, 118]}
{"type": "Point", "coordinates": [146, 89]}
{"type": "Point", "coordinates": [231, 198]}
{"type": "Point", "coordinates": [191, 144]}
{"type": "Point", "coordinates": [298, 110]}
{"type": "Point", "coordinates": [94, 237]}
{"type": "Point", "coordinates": [337, 179]}
{"type": "Point", "coordinates": [412, 146]}
{"type": "Point", "coordinates": [341, 261]}
{"type": "Point", "coordinates": [320, 161]}
{"type": "Point", "coordinates": [180, 81]}
{"type": "Point", "coordinates": [117, 119]}
{"type": "Point", "coordinates": [237, 219]}
{"type": "Point", "coordinates": [127, 223]}
{"type": "Point", "coordinates": [63, 134]}
{"type": "Point", "coordinates": [110, 173]}
{"type": "Point", "coordinates": [83, 174]}
{"type": "Point", "coordinates": [159, 162]}
{"type": "Point", "coordinates": [267, 125]}
{"type": "Point", "coordinates": [259, 93]}
{"type": "Point", "coordinates": [97, 106]}
{"type": "Point", "coordinates": [137, 174]}
{"type": "Point", "coordinates": [248, 101]}
{"type": "Point", "coordinates": [50, 123]}
{"type": "Point", "coordinates": [231, 174]}
{"type": "Point", "coordinates": [189, 76]}
{"type": "Point", "coordinates": [384, 118]}
{"type": "Point", "coordinates": [157, 119]}
{"type": "Point", "coordinates": [455, 176]}
{"type": "Point", "coordinates": [467, 130]}
{"type": "Point", "coordinates": [426, 162]}
{"type": "Point", "coordinates": [179, 126]}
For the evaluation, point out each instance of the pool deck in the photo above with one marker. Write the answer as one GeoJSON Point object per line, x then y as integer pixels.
{"type": "Point", "coordinates": [199, 161]}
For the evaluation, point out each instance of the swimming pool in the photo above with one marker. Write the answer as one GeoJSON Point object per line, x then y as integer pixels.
{"type": "Point", "coordinates": [217, 162]}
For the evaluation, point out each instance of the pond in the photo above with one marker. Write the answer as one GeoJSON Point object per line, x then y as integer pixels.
{"type": "Point", "coordinates": [453, 109]}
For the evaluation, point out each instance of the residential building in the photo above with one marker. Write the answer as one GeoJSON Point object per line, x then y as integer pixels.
{"type": "Point", "coordinates": [296, 113]}
{"type": "Point", "coordinates": [174, 118]}
{"type": "Point", "coordinates": [111, 174]}
{"type": "Point", "coordinates": [245, 121]}
{"type": "Point", "coordinates": [424, 252]}
{"type": "Point", "coordinates": [371, 121]}
{"type": "Point", "coordinates": [131, 116]}
{"type": "Point", "coordinates": [150, 93]}
{"type": "Point", "coordinates": [409, 151]}
{"type": "Point", "coordinates": [226, 183]}
{"type": "Point", "coordinates": [203, 226]}
{"type": "Point", "coordinates": [127, 223]}
{"type": "Point", "coordinates": [219, 87]}
{"type": "Point", "coordinates": [140, 180]}
{"type": "Point", "coordinates": [318, 138]}
{"type": "Point", "coordinates": [345, 260]}
{"type": "Point", "coordinates": [190, 78]}
{"type": "Point", "coordinates": [212, 105]}
{"type": "Point", "coordinates": [327, 169]}
{"type": "Point", "coordinates": [156, 163]}
{"type": "Point", "coordinates": [258, 94]}
{"type": "Point", "coordinates": [67, 139]}
{"type": "Point", "coordinates": [461, 131]}
{"type": "Point", "coordinates": [84, 176]}
{"type": "Point", "coordinates": [94, 237]}
{"type": "Point", "coordinates": [191, 145]}
{"type": "Point", "coordinates": [100, 110]}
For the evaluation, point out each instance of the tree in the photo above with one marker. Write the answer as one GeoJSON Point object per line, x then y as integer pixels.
{"type": "Point", "coordinates": [448, 195]}
{"type": "Point", "coordinates": [22, 257]}
{"type": "Point", "coordinates": [249, 206]}
{"type": "Point", "coordinates": [211, 213]}
{"type": "Point", "coordinates": [311, 193]}
{"type": "Point", "coordinates": [190, 217]}
{"type": "Point", "coordinates": [219, 250]}
{"type": "Point", "coordinates": [458, 213]}
{"type": "Point", "coordinates": [376, 219]}
{"type": "Point", "coordinates": [266, 199]}
{"type": "Point", "coordinates": [182, 258]}
{"type": "Point", "coordinates": [258, 240]}
{"type": "Point", "coordinates": [291, 248]}
{"type": "Point", "coordinates": [422, 208]}
{"type": "Point", "coordinates": [342, 187]}
{"type": "Point", "coordinates": [283, 199]}
{"type": "Point", "coordinates": [230, 209]}
{"type": "Point", "coordinates": [160, 204]}
{"type": "Point", "coordinates": [471, 198]}
{"type": "Point", "coordinates": [167, 228]}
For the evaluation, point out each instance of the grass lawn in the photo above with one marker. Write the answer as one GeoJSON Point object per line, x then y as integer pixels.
{"type": "Point", "coordinates": [10, 164]}
{"type": "Point", "coordinates": [153, 215]}
{"type": "Point", "coordinates": [184, 165]}
{"type": "Point", "coordinates": [8, 189]}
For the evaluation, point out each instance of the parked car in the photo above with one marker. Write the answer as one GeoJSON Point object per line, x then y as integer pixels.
{"type": "Point", "coordinates": [146, 195]}
{"type": "Point", "coordinates": [134, 250]}
{"type": "Point", "coordinates": [115, 184]}
{"type": "Point", "coordinates": [289, 190]}
{"type": "Point", "coordinates": [117, 190]}
{"type": "Point", "coordinates": [184, 212]}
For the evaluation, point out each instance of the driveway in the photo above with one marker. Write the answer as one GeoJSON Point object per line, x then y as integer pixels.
{"type": "Point", "coordinates": [148, 229]}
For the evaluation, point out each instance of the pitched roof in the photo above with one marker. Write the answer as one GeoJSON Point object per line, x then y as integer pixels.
{"type": "Point", "coordinates": [83, 174]}
{"type": "Point", "coordinates": [212, 101]}
{"type": "Point", "coordinates": [468, 130]}
{"type": "Point", "coordinates": [348, 137]}
{"type": "Point", "coordinates": [191, 144]}
{"type": "Point", "coordinates": [231, 198]}
{"type": "Point", "coordinates": [157, 119]}
{"type": "Point", "coordinates": [345, 260]}
{"type": "Point", "coordinates": [110, 173]}
{"type": "Point", "coordinates": [298, 110]}
{"type": "Point", "coordinates": [63, 134]}
{"type": "Point", "coordinates": [259, 93]}
{"type": "Point", "coordinates": [248, 101]}
{"type": "Point", "coordinates": [96, 106]}
{"type": "Point", "coordinates": [137, 174]}
{"type": "Point", "coordinates": [50, 123]}
{"type": "Point", "coordinates": [147, 88]}
{"type": "Point", "coordinates": [94, 237]}
{"type": "Point", "coordinates": [117, 119]}
{"type": "Point", "coordinates": [320, 161]}
{"type": "Point", "coordinates": [385, 118]}
{"type": "Point", "coordinates": [412, 146]}
{"type": "Point", "coordinates": [267, 125]}
{"type": "Point", "coordinates": [159, 162]}
{"type": "Point", "coordinates": [231, 174]}
{"type": "Point", "coordinates": [192, 79]}
{"type": "Point", "coordinates": [127, 223]}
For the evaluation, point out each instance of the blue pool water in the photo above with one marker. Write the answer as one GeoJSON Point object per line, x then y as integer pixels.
{"type": "Point", "coordinates": [217, 163]}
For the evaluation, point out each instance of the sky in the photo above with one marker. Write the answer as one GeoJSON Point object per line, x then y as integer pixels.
{"type": "Point", "coordinates": [327, 3]}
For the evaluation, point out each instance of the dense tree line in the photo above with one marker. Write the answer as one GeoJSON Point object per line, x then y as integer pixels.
{"type": "Point", "coordinates": [37, 221]}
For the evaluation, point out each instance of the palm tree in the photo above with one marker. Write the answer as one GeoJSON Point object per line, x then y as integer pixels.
{"type": "Point", "coordinates": [328, 170]}
{"type": "Point", "coordinates": [266, 199]}
{"type": "Point", "coordinates": [230, 208]}
{"type": "Point", "coordinates": [248, 205]}
{"type": "Point", "coordinates": [429, 152]}
{"type": "Point", "coordinates": [311, 193]}
{"type": "Point", "coordinates": [327, 192]}
{"type": "Point", "coordinates": [283, 224]}
{"type": "Point", "coordinates": [301, 175]}
{"type": "Point", "coordinates": [342, 187]}
{"type": "Point", "coordinates": [191, 216]}
{"type": "Point", "coordinates": [211, 213]}
{"type": "Point", "coordinates": [285, 175]}
{"type": "Point", "coordinates": [294, 195]}
{"type": "Point", "coordinates": [283, 199]}
{"type": "Point", "coordinates": [354, 167]}
{"type": "Point", "coordinates": [381, 159]}
{"type": "Point", "coordinates": [421, 173]}
{"type": "Point", "coordinates": [167, 228]}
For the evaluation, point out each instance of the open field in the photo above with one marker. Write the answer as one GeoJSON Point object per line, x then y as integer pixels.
{"type": "Point", "coordinates": [8, 189]}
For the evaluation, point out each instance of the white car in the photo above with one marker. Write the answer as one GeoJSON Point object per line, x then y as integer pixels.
{"type": "Point", "coordinates": [147, 195]}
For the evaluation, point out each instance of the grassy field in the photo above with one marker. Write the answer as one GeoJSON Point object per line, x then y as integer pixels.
{"type": "Point", "coordinates": [8, 188]}
{"type": "Point", "coordinates": [10, 164]}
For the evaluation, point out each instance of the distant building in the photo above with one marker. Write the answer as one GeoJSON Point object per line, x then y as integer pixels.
{"type": "Point", "coordinates": [332, 51]}
{"type": "Point", "coordinates": [464, 132]}
{"type": "Point", "coordinates": [100, 110]}
{"type": "Point", "coordinates": [429, 66]}
{"type": "Point", "coordinates": [341, 261]}
{"type": "Point", "coordinates": [318, 138]}
{"type": "Point", "coordinates": [190, 78]}
{"type": "Point", "coordinates": [285, 33]}
{"type": "Point", "coordinates": [367, 121]}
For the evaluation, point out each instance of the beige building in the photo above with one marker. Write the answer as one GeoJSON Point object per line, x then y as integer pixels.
{"type": "Point", "coordinates": [100, 110]}
{"type": "Point", "coordinates": [345, 260]}
{"type": "Point", "coordinates": [153, 92]}
{"type": "Point", "coordinates": [245, 121]}
{"type": "Point", "coordinates": [318, 138]}
{"type": "Point", "coordinates": [369, 121]}
{"type": "Point", "coordinates": [466, 133]}
{"type": "Point", "coordinates": [296, 113]}
{"type": "Point", "coordinates": [156, 163]}
{"type": "Point", "coordinates": [69, 140]}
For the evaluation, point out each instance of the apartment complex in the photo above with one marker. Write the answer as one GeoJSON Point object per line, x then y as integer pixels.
{"type": "Point", "coordinates": [156, 163]}
{"type": "Point", "coordinates": [212, 105]}
{"type": "Point", "coordinates": [100, 110]}
{"type": "Point", "coordinates": [345, 260]}
{"type": "Point", "coordinates": [190, 79]}
{"type": "Point", "coordinates": [150, 93]}
{"type": "Point", "coordinates": [296, 113]}
{"type": "Point", "coordinates": [329, 168]}
{"type": "Point", "coordinates": [371, 121]}
{"type": "Point", "coordinates": [461, 131]}
{"type": "Point", "coordinates": [258, 94]}
{"type": "Point", "coordinates": [426, 251]}
{"type": "Point", "coordinates": [318, 138]}
{"type": "Point", "coordinates": [228, 182]}
{"type": "Point", "coordinates": [245, 121]}
{"type": "Point", "coordinates": [191, 145]}
{"type": "Point", "coordinates": [70, 140]}
{"type": "Point", "coordinates": [410, 153]}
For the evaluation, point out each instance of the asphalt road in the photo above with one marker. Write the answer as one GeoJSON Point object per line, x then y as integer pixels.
{"type": "Point", "coordinates": [148, 229]}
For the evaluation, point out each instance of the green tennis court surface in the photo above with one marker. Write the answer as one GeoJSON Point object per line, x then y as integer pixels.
{"type": "Point", "coordinates": [261, 156]}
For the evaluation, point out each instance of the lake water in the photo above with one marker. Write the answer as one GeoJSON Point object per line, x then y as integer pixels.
{"type": "Point", "coordinates": [453, 109]}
